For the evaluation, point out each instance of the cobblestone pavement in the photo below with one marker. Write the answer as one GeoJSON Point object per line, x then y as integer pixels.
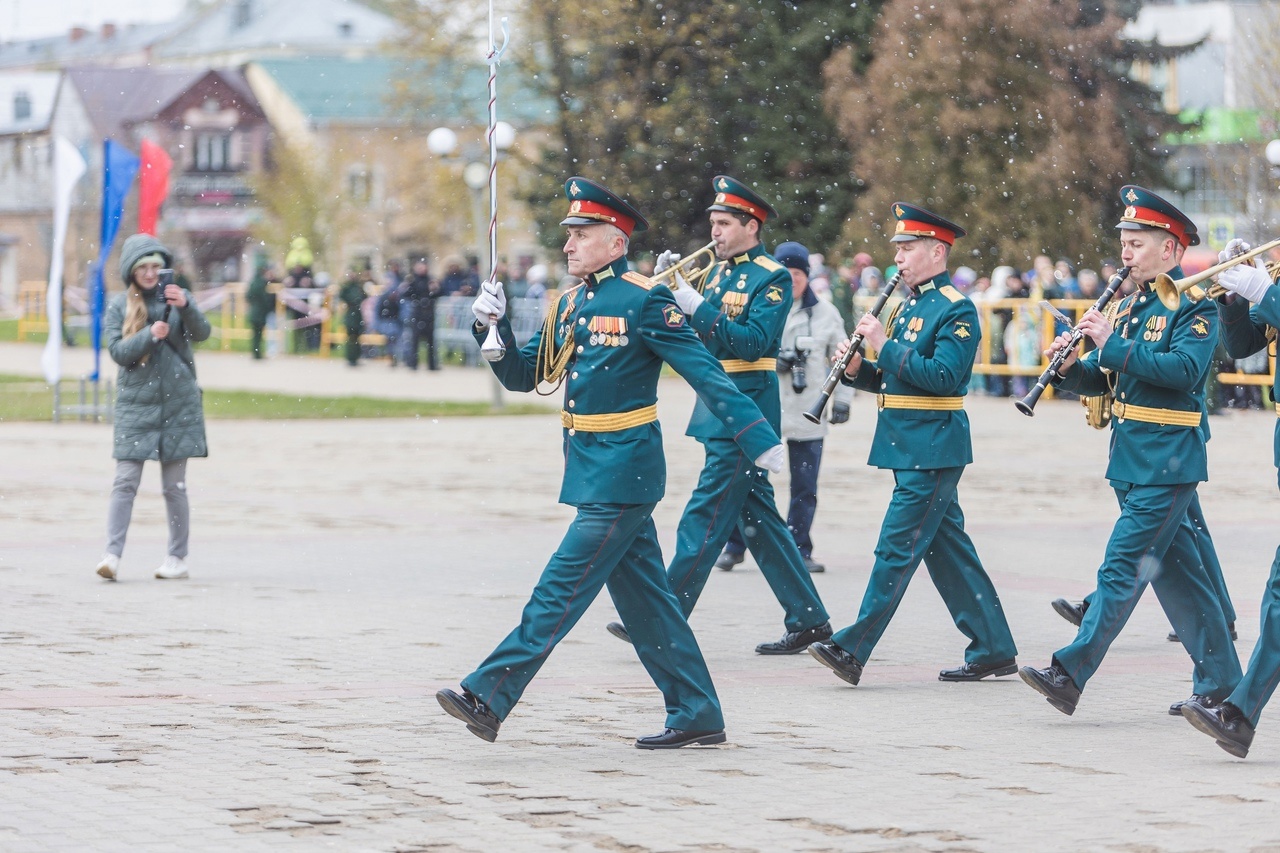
{"type": "Point", "coordinates": [342, 571]}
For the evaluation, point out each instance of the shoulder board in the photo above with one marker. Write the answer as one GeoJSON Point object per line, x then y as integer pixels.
{"type": "Point", "coordinates": [951, 293]}
{"type": "Point", "coordinates": [638, 280]}
{"type": "Point", "coordinates": [1196, 292]}
{"type": "Point", "coordinates": [768, 263]}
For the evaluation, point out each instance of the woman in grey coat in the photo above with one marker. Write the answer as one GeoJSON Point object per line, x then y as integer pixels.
{"type": "Point", "coordinates": [159, 413]}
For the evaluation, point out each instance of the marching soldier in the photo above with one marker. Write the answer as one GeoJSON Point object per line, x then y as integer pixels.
{"type": "Point", "coordinates": [740, 319]}
{"type": "Point", "coordinates": [1245, 331]}
{"type": "Point", "coordinates": [607, 339]}
{"type": "Point", "coordinates": [1205, 550]}
{"type": "Point", "coordinates": [1158, 359]}
{"type": "Point", "coordinates": [920, 378]}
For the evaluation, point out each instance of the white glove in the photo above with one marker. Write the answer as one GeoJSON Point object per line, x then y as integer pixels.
{"type": "Point", "coordinates": [492, 302]}
{"type": "Point", "coordinates": [1235, 246]}
{"type": "Point", "coordinates": [772, 459]}
{"type": "Point", "coordinates": [688, 299]}
{"type": "Point", "coordinates": [1245, 281]}
{"type": "Point", "coordinates": [665, 260]}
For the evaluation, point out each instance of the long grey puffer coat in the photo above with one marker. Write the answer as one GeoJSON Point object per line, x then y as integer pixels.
{"type": "Point", "coordinates": [159, 411]}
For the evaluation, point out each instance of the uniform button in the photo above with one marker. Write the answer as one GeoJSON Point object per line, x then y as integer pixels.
{"type": "Point", "coordinates": [591, 294]}
{"type": "Point", "coordinates": [573, 432]}
{"type": "Point", "coordinates": [582, 321]}
{"type": "Point", "coordinates": [572, 404]}
{"type": "Point", "coordinates": [883, 385]}
{"type": "Point", "coordinates": [1133, 320]}
{"type": "Point", "coordinates": [573, 375]}
{"type": "Point", "coordinates": [912, 302]}
{"type": "Point", "coordinates": [579, 347]}
{"type": "Point", "coordinates": [1142, 299]}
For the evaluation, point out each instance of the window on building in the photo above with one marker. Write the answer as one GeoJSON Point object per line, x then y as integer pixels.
{"type": "Point", "coordinates": [213, 152]}
{"type": "Point", "coordinates": [21, 106]}
{"type": "Point", "coordinates": [360, 184]}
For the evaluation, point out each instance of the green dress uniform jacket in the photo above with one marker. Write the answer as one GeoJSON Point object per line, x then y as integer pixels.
{"type": "Point", "coordinates": [622, 328]}
{"type": "Point", "coordinates": [621, 333]}
{"type": "Point", "coordinates": [930, 352]}
{"type": "Point", "coordinates": [1246, 330]}
{"type": "Point", "coordinates": [747, 301]}
{"type": "Point", "coordinates": [1159, 360]}
{"type": "Point", "coordinates": [920, 378]}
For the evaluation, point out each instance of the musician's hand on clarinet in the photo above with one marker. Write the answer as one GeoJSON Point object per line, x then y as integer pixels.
{"type": "Point", "coordinates": [872, 331]}
{"type": "Point", "coordinates": [851, 369]}
{"type": "Point", "coordinates": [159, 330]}
{"type": "Point", "coordinates": [1096, 327]}
{"type": "Point", "coordinates": [490, 305]}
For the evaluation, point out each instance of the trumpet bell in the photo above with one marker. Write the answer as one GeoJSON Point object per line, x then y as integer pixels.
{"type": "Point", "coordinates": [694, 269]}
{"type": "Point", "coordinates": [1170, 290]}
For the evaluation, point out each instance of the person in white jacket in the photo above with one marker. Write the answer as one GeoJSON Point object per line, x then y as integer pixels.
{"type": "Point", "coordinates": [813, 331]}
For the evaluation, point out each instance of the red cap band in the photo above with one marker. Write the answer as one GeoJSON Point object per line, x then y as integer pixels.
{"type": "Point", "coordinates": [737, 202]}
{"type": "Point", "coordinates": [603, 213]}
{"type": "Point", "coordinates": [925, 229]}
{"type": "Point", "coordinates": [1156, 219]}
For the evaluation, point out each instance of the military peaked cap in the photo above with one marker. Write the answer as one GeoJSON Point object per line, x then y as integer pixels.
{"type": "Point", "coordinates": [916, 222]}
{"type": "Point", "coordinates": [1145, 209]}
{"type": "Point", "coordinates": [592, 204]}
{"type": "Point", "coordinates": [733, 196]}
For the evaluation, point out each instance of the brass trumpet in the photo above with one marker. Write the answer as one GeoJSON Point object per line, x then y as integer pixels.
{"type": "Point", "coordinates": [696, 275]}
{"type": "Point", "coordinates": [1170, 291]}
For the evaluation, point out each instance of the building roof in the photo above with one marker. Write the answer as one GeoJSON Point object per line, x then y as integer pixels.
{"type": "Point", "coordinates": [334, 90]}
{"type": "Point", "coordinates": [268, 26]}
{"type": "Point", "coordinates": [83, 47]}
{"type": "Point", "coordinates": [32, 92]}
{"type": "Point", "coordinates": [113, 98]}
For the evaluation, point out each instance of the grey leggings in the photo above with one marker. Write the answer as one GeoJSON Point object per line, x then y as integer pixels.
{"type": "Point", "coordinates": [173, 481]}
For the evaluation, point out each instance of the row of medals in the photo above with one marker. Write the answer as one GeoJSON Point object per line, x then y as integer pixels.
{"type": "Point", "coordinates": [608, 331]}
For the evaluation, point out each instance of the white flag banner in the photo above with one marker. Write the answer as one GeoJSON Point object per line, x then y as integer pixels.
{"type": "Point", "coordinates": [68, 168]}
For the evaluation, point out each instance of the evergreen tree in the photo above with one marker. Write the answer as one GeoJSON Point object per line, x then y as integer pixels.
{"type": "Point", "coordinates": [655, 98]}
{"type": "Point", "coordinates": [1014, 119]}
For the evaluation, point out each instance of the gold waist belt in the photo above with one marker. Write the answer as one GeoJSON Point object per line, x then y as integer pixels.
{"type": "Point", "coordinates": [900, 401]}
{"type": "Point", "coordinates": [1164, 417]}
{"type": "Point", "coordinates": [1278, 410]}
{"type": "Point", "coordinates": [737, 365]}
{"type": "Point", "coordinates": [609, 423]}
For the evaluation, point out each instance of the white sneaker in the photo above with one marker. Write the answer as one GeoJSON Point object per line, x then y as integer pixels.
{"type": "Point", "coordinates": [108, 566]}
{"type": "Point", "coordinates": [173, 568]}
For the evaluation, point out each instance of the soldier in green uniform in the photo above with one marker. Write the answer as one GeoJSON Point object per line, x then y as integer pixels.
{"type": "Point", "coordinates": [607, 339]}
{"type": "Point", "coordinates": [1158, 360]}
{"type": "Point", "coordinates": [1206, 552]}
{"type": "Point", "coordinates": [740, 318]}
{"type": "Point", "coordinates": [920, 377]}
{"type": "Point", "coordinates": [1245, 331]}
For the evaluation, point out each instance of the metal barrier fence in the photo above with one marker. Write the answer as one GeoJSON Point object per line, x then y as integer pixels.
{"type": "Point", "coordinates": [1014, 331]}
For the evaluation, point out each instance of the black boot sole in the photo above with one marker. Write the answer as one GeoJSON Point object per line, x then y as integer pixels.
{"type": "Point", "coordinates": [995, 673]}
{"type": "Point", "coordinates": [1203, 725]}
{"type": "Point", "coordinates": [705, 740]}
{"type": "Point", "coordinates": [460, 712]}
{"type": "Point", "coordinates": [1061, 704]}
{"type": "Point", "coordinates": [619, 631]}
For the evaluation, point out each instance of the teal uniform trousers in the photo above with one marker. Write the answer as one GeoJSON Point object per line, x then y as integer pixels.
{"type": "Point", "coordinates": [1159, 360]}
{"type": "Point", "coordinates": [924, 522]}
{"type": "Point", "coordinates": [1246, 330]}
{"type": "Point", "coordinates": [619, 328]}
{"type": "Point", "coordinates": [747, 302]}
{"type": "Point", "coordinates": [922, 434]}
{"type": "Point", "coordinates": [1153, 543]}
{"type": "Point", "coordinates": [1207, 556]}
{"type": "Point", "coordinates": [616, 546]}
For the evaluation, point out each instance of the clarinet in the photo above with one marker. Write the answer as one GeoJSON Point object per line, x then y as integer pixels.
{"type": "Point", "coordinates": [814, 415]}
{"type": "Point", "coordinates": [1027, 405]}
